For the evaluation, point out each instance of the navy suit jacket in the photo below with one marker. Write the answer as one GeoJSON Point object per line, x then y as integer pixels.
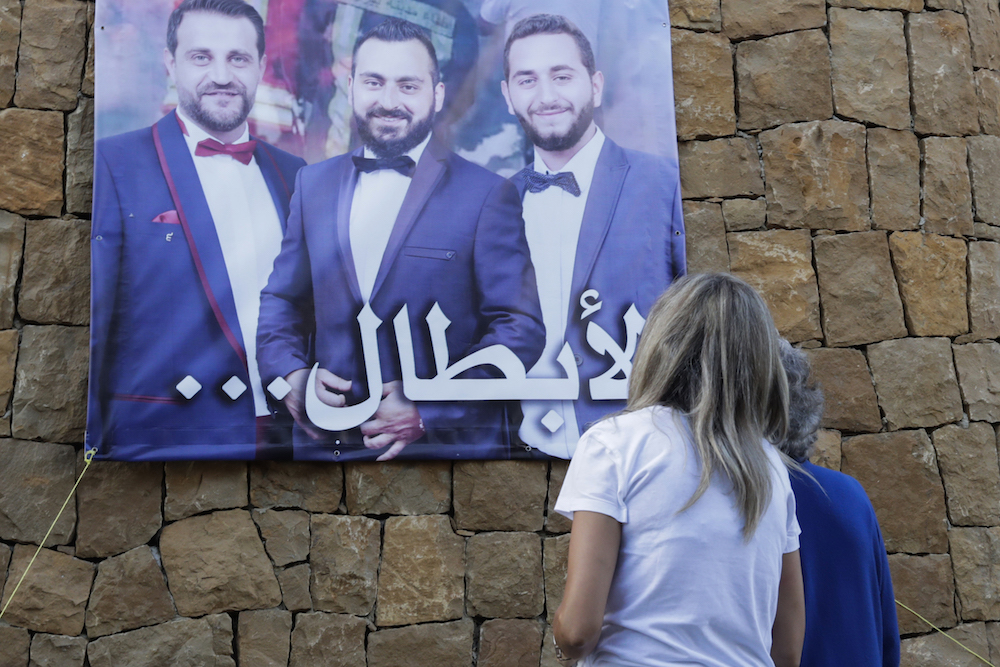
{"type": "Point", "coordinates": [631, 247]}
{"type": "Point", "coordinates": [458, 241]}
{"type": "Point", "coordinates": [162, 305]}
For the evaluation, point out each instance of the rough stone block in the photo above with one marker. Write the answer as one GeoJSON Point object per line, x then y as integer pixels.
{"type": "Point", "coordinates": [185, 642]}
{"type": "Point", "coordinates": [944, 95]}
{"type": "Point", "coordinates": [696, 14]}
{"type": "Point", "coordinates": [194, 487]}
{"type": "Point", "coordinates": [503, 576]}
{"type": "Point", "coordinates": [11, 247]}
{"type": "Point", "coordinates": [899, 473]}
{"type": "Point", "coordinates": [57, 651]}
{"type": "Point", "coordinates": [857, 288]}
{"type": "Point", "coordinates": [216, 562]}
{"type": "Point", "coordinates": [988, 91]}
{"type": "Point", "coordinates": [500, 495]}
{"type": "Point", "coordinates": [294, 582]}
{"type": "Point", "coordinates": [437, 645]}
{"type": "Point", "coordinates": [308, 485]}
{"type": "Point", "coordinates": [935, 650]}
{"type": "Point", "coordinates": [975, 555]}
{"type": "Point", "coordinates": [894, 171]}
{"type": "Point", "coordinates": [950, 5]}
{"type": "Point", "coordinates": [915, 394]}
{"type": "Point", "coordinates": [743, 215]}
{"type": "Point", "coordinates": [986, 232]}
{"type": "Point", "coordinates": [51, 56]}
{"type": "Point", "coordinates": [704, 88]}
{"type": "Point", "coordinates": [118, 505]}
{"type": "Point", "coordinates": [778, 264]}
{"type": "Point", "coordinates": [826, 451]}
{"type": "Point", "coordinates": [947, 186]}
{"type": "Point", "coordinates": [720, 168]}
{"type": "Point", "coordinates": [905, 5]}
{"type": "Point", "coordinates": [50, 398]}
{"type": "Point", "coordinates": [31, 161]}
{"type": "Point", "coordinates": [984, 288]}
{"type": "Point", "coordinates": [971, 474]}
{"type": "Point", "coordinates": [849, 395]}
{"type": "Point", "coordinates": [926, 585]}
{"type": "Point", "coordinates": [4, 562]}
{"type": "Point", "coordinates": [510, 643]}
{"type": "Point", "coordinates": [344, 559]}
{"type": "Point", "coordinates": [984, 31]}
{"type": "Point", "coordinates": [555, 522]}
{"type": "Point", "coordinates": [286, 534]}
{"type": "Point", "coordinates": [984, 163]}
{"type": "Point", "coordinates": [35, 478]}
{"type": "Point", "coordinates": [783, 79]}
{"type": "Point", "coordinates": [871, 81]}
{"type": "Point", "coordinates": [761, 18]}
{"type": "Point", "coordinates": [129, 593]}
{"type": "Point", "coordinates": [398, 488]}
{"type": "Point", "coordinates": [264, 638]}
{"type": "Point", "coordinates": [931, 273]}
{"type": "Point", "coordinates": [422, 577]}
{"type": "Point", "coordinates": [705, 233]}
{"type": "Point", "coordinates": [14, 645]}
{"type": "Point", "coordinates": [978, 366]}
{"type": "Point", "coordinates": [10, 37]}
{"type": "Point", "coordinates": [554, 566]}
{"type": "Point", "coordinates": [816, 176]}
{"type": "Point", "coordinates": [55, 286]}
{"type": "Point", "coordinates": [53, 597]}
{"type": "Point", "coordinates": [87, 88]}
{"type": "Point", "coordinates": [80, 157]}
{"type": "Point", "coordinates": [331, 640]}
{"type": "Point", "coordinates": [549, 650]}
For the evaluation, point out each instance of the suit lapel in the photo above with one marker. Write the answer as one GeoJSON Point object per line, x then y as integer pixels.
{"type": "Point", "coordinates": [348, 180]}
{"type": "Point", "coordinates": [429, 171]}
{"type": "Point", "coordinates": [280, 189]}
{"type": "Point", "coordinates": [609, 175]}
{"type": "Point", "coordinates": [199, 228]}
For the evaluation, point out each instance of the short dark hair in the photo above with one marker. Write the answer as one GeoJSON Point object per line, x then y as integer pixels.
{"type": "Point", "coordinates": [400, 30]}
{"type": "Point", "coordinates": [805, 404]}
{"type": "Point", "coordinates": [233, 8]}
{"type": "Point", "coordinates": [549, 24]}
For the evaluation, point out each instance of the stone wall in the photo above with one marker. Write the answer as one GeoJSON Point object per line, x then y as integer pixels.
{"type": "Point", "coordinates": [842, 156]}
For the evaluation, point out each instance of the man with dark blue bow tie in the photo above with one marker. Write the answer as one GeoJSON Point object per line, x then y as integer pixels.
{"type": "Point", "coordinates": [401, 222]}
{"type": "Point", "coordinates": [188, 217]}
{"type": "Point", "coordinates": [603, 223]}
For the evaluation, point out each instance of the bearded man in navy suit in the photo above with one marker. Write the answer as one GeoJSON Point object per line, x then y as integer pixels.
{"type": "Point", "coordinates": [402, 221]}
{"type": "Point", "coordinates": [188, 217]}
{"type": "Point", "coordinates": [604, 224]}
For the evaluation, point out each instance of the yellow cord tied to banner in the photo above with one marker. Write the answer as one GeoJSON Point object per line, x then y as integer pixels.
{"type": "Point", "coordinates": [961, 645]}
{"type": "Point", "coordinates": [88, 457]}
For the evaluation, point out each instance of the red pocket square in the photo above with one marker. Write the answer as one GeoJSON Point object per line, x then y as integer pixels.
{"type": "Point", "coordinates": [169, 217]}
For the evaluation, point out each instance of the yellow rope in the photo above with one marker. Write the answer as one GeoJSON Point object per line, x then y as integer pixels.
{"type": "Point", "coordinates": [88, 456]}
{"type": "Point", "coordinates": [963, 646]}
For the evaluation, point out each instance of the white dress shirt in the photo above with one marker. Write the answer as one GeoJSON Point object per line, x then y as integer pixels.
{"type": "Point", "coordinates": [552, 220]}
{"type": "Point", "coordinates": [249, 231]}
{"type": "Point", "coordinates": [378, 196]}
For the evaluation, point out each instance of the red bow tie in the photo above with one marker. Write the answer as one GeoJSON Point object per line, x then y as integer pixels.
{"type": "Point", "coordinates": [242, 152]}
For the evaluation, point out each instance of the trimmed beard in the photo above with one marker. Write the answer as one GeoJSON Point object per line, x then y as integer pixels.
{"type": "Point", "coordinates": [556, 143]}
{"type": "Point", "coordinates": [213, 122]}
{"type": "Point", "coordinates": [394, 147]}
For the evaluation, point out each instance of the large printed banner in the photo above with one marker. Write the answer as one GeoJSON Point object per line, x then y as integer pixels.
{"type": "Point", "coordinates": [373, 229]}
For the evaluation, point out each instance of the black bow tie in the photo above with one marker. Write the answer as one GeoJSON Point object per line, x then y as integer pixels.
{"type": "Point", "coordinates": [404, 164]}
{"type": "Point", "coordinates": [537, 181]}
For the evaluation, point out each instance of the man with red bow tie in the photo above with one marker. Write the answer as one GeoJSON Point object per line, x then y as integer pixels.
{"type": "Point", "coordinates": [188, 218]}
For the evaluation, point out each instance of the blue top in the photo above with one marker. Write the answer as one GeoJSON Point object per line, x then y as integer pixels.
{"type": "Point", "coordinates": [850, 608]}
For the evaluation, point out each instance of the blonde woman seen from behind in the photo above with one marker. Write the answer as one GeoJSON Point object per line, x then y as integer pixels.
{"type": "Point", "coordinates": [684, 549]}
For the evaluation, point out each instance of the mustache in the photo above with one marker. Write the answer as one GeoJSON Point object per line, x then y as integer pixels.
{"type": "Point", "coordinates": [546, 108]}
{"type": "Point", "coordinates": [387, 113]}
{"type": "Point", "coordinates": [227, 88]}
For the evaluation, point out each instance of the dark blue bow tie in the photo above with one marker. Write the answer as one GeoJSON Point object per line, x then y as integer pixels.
{"type": "Point", "coordinates": [404, 164]}
{"type": "Point", "coordinates": [537, 181]}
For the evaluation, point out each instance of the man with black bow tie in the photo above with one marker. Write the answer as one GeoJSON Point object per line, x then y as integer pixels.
{"type": "Point", "coordinates": [188, 217]}
{"type": "Point", "coordinates": [403, 221]}
{"type": "Point", "coordinates": [603, 223]}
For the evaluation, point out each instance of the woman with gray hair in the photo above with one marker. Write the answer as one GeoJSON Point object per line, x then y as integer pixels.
{"type": "Point", "coordinates": [850, 608]}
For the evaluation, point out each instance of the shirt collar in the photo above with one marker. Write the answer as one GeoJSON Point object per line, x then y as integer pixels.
{"type": "Point", "coordinates": [582, 164]}
{"type": "Point", "coordinates": [195, 134]}
{"type": "Point", "coordinates": [413, 153]}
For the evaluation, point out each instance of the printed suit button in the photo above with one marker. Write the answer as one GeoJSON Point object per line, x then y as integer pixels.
{"type": "Point", "coordinates": [234, 387]}
{"type": "Point", "coordinates": [188, 387]}
{"type": "Point", "coordinates": [279, 388]}
{"type": "Point", "coordinates": [578, 359]}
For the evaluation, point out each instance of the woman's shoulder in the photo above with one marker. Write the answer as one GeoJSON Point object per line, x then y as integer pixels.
{"type": "Point", "coordinates": [632, 430]}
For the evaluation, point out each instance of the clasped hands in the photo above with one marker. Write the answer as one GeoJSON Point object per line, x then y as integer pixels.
{"type": "Point", "coordinates": [395, 424]}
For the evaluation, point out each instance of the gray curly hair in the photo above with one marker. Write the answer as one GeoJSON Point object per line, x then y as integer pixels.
{"type": "Point", "coordinates": [805, 404]}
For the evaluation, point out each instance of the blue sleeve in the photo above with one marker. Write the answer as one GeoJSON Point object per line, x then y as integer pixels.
{"type": "Point", "coordinates": [890, 623]}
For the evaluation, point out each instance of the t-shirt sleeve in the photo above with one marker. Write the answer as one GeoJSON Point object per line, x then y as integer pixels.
{"type": "Point", "coordinates": [594, 482]}
{"type": "Point", "coordinates": [792, 530]}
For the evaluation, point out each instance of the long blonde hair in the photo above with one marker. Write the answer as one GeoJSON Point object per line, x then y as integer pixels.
{"type": "Point", "coordinates": [710, 350]}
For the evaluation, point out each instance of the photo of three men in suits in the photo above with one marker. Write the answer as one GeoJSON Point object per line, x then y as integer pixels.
{"type": "Point", "coordinates": [400, 221]}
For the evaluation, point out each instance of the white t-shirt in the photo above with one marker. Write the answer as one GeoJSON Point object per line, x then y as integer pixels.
{"type": "Point", "coordinates": [687, 589]}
